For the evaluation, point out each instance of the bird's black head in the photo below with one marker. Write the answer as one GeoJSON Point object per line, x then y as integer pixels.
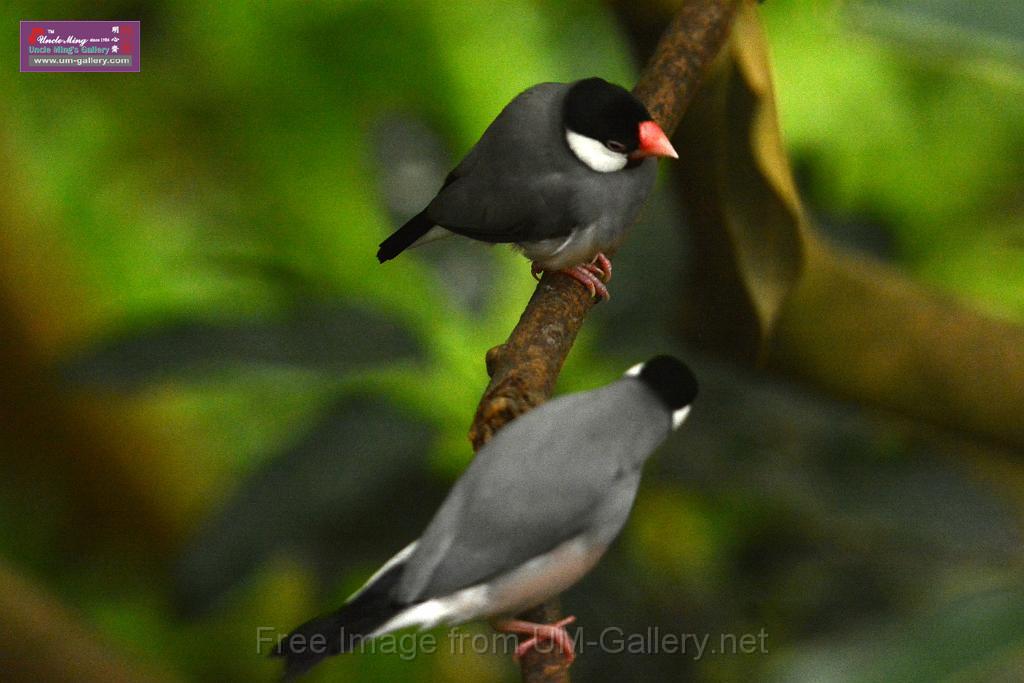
{"type": "Point", "coordinates": [605, 112]}
{"type": "Point", "coordinates": [671, 380]}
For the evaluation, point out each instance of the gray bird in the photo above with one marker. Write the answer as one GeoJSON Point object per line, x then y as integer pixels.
{"type": "Point", "coordinates": [530, 516]}
{"type": "Point", "coordinates": [561, 173]}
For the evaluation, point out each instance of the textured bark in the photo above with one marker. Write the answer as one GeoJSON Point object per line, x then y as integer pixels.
{"type": "Point", "coordinates": [525, 368]}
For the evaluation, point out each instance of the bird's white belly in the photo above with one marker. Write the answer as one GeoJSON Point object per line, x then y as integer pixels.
{"type": "Point", "coordinates": [580, 246]}
{"type": "Point", "coordinates": [542, 577]}
{"type": "Point", "coordinates": [527, 585]}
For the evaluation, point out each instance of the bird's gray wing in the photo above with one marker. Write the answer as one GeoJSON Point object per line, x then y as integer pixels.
{"type": "Point", "coordinates": [519, 181]}
{"type": "Point", "coordinates": [541, 481]}
{"type": "Point", "coordinates": [498, 209]}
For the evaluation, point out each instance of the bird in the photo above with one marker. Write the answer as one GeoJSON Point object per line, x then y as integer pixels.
{"type": "Point", "coordinates": [561, 173]}
{"type": "Point", "coordinates": [532, 514]}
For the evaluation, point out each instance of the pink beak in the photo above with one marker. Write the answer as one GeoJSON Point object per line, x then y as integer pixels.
{"type": "Point", "coordinates": [653, 142]}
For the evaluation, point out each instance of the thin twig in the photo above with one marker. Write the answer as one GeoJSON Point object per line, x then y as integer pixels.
{"type": "Point", "coordinates": [525, 368]}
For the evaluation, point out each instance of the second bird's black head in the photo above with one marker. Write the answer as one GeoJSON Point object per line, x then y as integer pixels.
{"type": "Point", "coordinates": [611, 115]}
{"type": "Point", "coordinates": [670, 379]}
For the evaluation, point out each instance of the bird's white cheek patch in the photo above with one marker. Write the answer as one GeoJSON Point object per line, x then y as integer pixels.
{"type": "Point", "coordinates": [679, 416]}
{"type": "Point", "coordinates": [594, 154]}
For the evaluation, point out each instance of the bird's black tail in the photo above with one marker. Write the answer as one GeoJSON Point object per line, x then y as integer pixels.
{"type": "Point", "coordinates": [340, 631]}
{"type": "Point", "coordinates": [403, 238]}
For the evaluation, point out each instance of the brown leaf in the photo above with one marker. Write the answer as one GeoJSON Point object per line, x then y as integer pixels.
{"type": "Point", "coordinates": [764, 288]}
{"type": "Point", "coordinates": [750, 231]}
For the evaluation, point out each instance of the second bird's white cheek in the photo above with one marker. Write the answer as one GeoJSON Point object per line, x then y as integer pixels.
{"type": "Point", "coordinates": [679, 417]}
{"type": "Point", "coordinates": [594, 154]}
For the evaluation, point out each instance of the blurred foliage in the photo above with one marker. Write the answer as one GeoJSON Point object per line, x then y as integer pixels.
{"type": "Point", "coordinates": [195, 323]}
{"type": "Point", "coordinates": [928, 141]}
{"type": "Point", "coordinates": [768, 289]}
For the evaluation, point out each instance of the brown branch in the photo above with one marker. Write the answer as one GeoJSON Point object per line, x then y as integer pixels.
{"type": "Point", "coordinates": [525, 368]}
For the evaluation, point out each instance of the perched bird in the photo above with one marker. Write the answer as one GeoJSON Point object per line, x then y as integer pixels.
{"type": "Point", "coordinates": [561, 173]}
{"type": "Point", "coordinates": [531, 515]}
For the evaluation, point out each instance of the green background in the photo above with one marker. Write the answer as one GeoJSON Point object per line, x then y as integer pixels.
{"type": "Point", "coordinates": [222, 413]}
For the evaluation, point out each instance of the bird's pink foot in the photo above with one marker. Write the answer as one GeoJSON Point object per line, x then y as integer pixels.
{"type": "Point", "coordinates": [554, 633]}
{"type": "Point", "coordinates": [601, 266]}
{"type": "Point", "coordinates": [591, 275]}
{"type": "Point", "coordinates": [584, 274]}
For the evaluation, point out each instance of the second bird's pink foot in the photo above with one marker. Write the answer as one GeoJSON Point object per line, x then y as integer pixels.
{"type": "Point", "coordinates": [554, 633]}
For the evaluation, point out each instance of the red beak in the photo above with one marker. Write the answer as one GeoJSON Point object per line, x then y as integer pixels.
{"type": "Point", "coordinates": [653, 142]}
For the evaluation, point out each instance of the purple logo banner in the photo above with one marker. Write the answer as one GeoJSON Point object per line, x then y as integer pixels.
{"type": "Point", "coordinates": [71, 46]}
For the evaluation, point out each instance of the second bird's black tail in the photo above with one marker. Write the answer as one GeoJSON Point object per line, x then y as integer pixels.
{"type": "Point", "coordinates": [340, 631]}
{"type": "Point", "coordinates": [403, 238]}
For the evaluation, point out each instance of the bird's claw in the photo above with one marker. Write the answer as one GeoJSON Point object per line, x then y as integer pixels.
{"type": "Point", "coordinates": [585, 276]}
{"type": "Point", "coordinates": [554, 633]}
{"type": "Point", "coordinates": [591, 275]}
{"type": "Point", "coordinates": [601, 266]}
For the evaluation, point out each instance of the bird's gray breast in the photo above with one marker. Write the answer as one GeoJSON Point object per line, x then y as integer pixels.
{"type": "Point", "coordinates": [604, 207]}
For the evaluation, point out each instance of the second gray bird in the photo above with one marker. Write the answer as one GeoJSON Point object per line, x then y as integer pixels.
{"type": "Point", "coordinates": [561, 173]}
{"type": "Point", "coordinates": [532, 514]}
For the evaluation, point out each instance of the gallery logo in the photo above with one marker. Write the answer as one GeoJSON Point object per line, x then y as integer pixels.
{"type": "Point", "coordinates": [111, 46]}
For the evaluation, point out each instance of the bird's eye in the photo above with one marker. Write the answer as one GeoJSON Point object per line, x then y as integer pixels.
{"type": "Point", "coordinates": [615, 146]}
